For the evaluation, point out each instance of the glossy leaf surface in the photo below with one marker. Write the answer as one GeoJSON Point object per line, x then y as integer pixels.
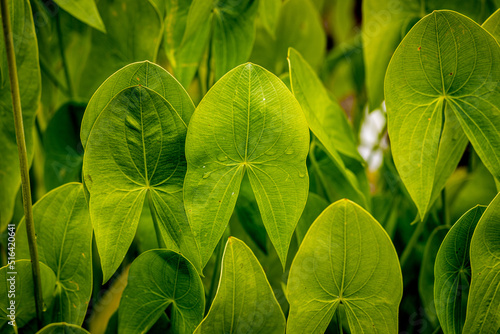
{"type": "Point", "coordinates": [28, 73]}
{"type": "Point", "coordinates": [483, 305]}
{"type": "Point", "coordinates": [439, 75]}
{"type": "Point", "coordinates": [245, 302]}
{"type": "Point", "coordinates": [248, 122]}
{"type": "Point", "coordinates": [452, 272]}
{"type": "Point", "coordinates": [159, 279]}
{"type": "Point", "coordinates": [64, 239]}
{"type": "Point", "coordinates": [346, 257]}
{"type": "Point", "coordinates": [136, 149]}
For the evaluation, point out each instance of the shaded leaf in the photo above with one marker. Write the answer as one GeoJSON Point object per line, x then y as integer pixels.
{"type": "Point", "coordinates": [64, 238]}
{"type": "Point", "coordinates": [452, 272]}
{"type": "Point", "coordinates": [248, 122]}
{"type": "Point", "coordinates": [84, 10]}
{"type": "Point", "coordinates": [483, 305]}
{"type": "Point", "coordinates": [346, 258]}
{"type": "Point", "coordinates": [159, 279]}
{"type": "Point", "coordinates": [314, 206]}
{"type": "Point", "coordinates": [245, 302]}
{"type": "Point", "coordinates": [269, 11]}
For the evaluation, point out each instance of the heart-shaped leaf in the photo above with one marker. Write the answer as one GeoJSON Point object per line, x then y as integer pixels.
{"type": "Point", "coordinates": [248, 122]}
{"type": "Point", "coordinates": [452, 272]}
{"type": "Point", "coordinates": [245, 302]}
{"type": "Point", "coordinates": [28, 74]}
{"type": "Point", "coordinates": [445, 69]}
{"type": "Point", "coordinates": [64, 238]}
{"type": "Point", "coordinates": [17, 289]}
{"type": "Point", "coordinates": [157, 280]}
{"type": "Point", "coordinates": [346, 258]}
{"type": "Point", "coordinates": [483, 306]}
{"type": "Point", "coordinates": [136, 149]}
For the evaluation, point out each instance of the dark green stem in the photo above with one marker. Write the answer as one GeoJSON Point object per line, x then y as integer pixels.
{"type": "Point", "coordinates": [63, 57]}
{"type": "Point", "coordinates": [412, 243]}
{"type": "Point", "coordinates": [23, 158]}
{"type": "Point", "coordinates": [215, 275]}
{"type": "Point", "coordinates": [159, 238]}
{"type": "Point", "coordinates": [315, 164]}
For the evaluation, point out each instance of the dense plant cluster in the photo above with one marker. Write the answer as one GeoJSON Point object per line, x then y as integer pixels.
{"type": "Point", "coordinates": [250, 166]}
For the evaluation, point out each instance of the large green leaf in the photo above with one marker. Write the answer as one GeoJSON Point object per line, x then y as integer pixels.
{"type": "Point", "coordinates": [483, 305]}
{"type": "Point", "coordinates": [248, 122]}
{"type": "Point", "coordinates": [231, 26]}
{"type": "Point", "coordinates": [426, 275]}
{"type": "Point", "coordinates": [452, 272]}
{"type": "Point", "coordinates": [159, 279]}
{"type": "Point", "coordinates": [28, 73]}
{"type": "Point", "coordinates": [134, 30]}
{"type": "Point", "coordinates": [299, 26]}
{"type": "Point", "coordinates": [437, 75]}
{"type": "Point", "coordinates": [144, 74]}
{"type": "Point", "coordinates": [245, 302]}
{"type": "Point", "coordinates": [84, 10]}
{"type": "Point", "coordinates": [62, 328]}
{"type": "Point", "coordinates": [386, 22]}
{"type": "Point", "coordinates": [136, 149]}
{"type": "Point", "coordinates": [346, 258]}
{"type": "Point", "coordinates": [64, 238]}
{"type": "Point", "coordinates": [24, 300]}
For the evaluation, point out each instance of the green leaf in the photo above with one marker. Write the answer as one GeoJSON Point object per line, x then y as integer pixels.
{"type": "Point", "coordinates": [62, 328]}
{"type": "Point", "coordinates": [175, 26]}
{"type": "Point", "coordinates": [492, 24]}
{"type": "Point", "coordinates": [299, 26]}
{"type": "Point", "coordinates": [483, 306]}
{"type": "Point", "coordinates": [159, 279]}
{"type": "Point", "coordinates": [245, 302]}
{"type": "Point", "coordinates": [314, 206]}
{"type": "Point", "coordinates": [136, 149]}
{"type": "Point", "coordinates": [64, 238]}
{"type": "Point", "coordinates": [84, 10]}
{"type": "Point", "coordinates": [24, 300]}
{"type": "Point", "coordinates": [437, 75]}
{"type": "Point", "coordinates": [269, 11]}
{"type": "Point", "coordinates": [28, 73]}
{"type": "Point", "coordinates": [452, 272]}
{"type": "Point", "coordinates": [426, 275]}
{"type": "Point", "coordinates": [134, 33]}
{"type": "Point", "coordinates": [346, 258]}
{"type": "Point", "coordinates": [248, 122]}
{"type": "Point", "coordinates": [144, 74]}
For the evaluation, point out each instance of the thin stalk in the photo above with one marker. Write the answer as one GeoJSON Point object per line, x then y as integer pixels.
{"type": "Point", "coordinates": [23, 158]}
{"type": "Point", "coordinates": [215, 275]}
{"type": "Point", "coordinates": [63, 57]}
{"type": "Point", "coordinates": [159, 238]}
{"type": "Point", "coordinates": [436, 330]}
{"type": "Point", "coordinates": [412, 243]}
{"type": "Point", "coordinates": [315, 164]}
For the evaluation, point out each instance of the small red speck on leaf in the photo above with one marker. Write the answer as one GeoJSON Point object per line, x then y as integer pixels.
{"type": "Point", "coordinates": [419, 48]}
{"type": "Point", "coordinates": [451, 73]}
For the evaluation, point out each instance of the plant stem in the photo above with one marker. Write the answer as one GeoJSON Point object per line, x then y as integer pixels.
{"type": "Point", "coordinates": [413, 241]}
{"type": "Point", "coordinates": [63, 57]}
{"type": "Point", "coordinates": [23, 158]}
{"type": "Point", "coordinates": [213, 282]}
{"type": "Point", "coordinates": [315, 164]}
{"type": "Point", "coordinates": [159, 238]}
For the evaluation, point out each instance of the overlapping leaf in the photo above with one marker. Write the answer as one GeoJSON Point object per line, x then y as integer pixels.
{"type": "Point", "coordinates": [28, 73]}
{"type": "Point", "coordinates": [159, 279]}
{"type": "Point", "coordinates": [245, 302]}
{"type": "Point", "coordinates": [62, 328]}
{"type": "Point", "coordinates": [346, 258]}
{"type": "Point", "coordinates": [84, 10]}
{"type": "Point", "coordinates": [492, 24]}
{"type": "Point", "coordinates": [483, 305]}
{"type": "Point", "coordinates": [64, 239]}
{"type": "Point", "coordinates": [452, 272]}
{"type": "Point", "coordinates": [440, 84]}
{"type": "Point", "coordinates": [136, 149]}
{"type": "Point", "coordinates": [248, 122]}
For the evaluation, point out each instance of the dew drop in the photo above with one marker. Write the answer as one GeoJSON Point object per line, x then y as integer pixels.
{"type": "Point", "coordinates": [302, 174]}
{"type": "Point", "coordinates": [289, 151]}
{"type": "Point", "coordinates": [222, 157]}
{"type": "Point", "coordinates": [203, 167]}
{"type": "Point", "coordinates": [232, 194]}
{"type": "Point", "coordinates": [206, 175]}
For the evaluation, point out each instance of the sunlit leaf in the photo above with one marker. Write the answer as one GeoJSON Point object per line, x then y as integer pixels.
{"type": "Point", "coordinates": [346, 258]}
{"type": "Point", "coordinates": [84, 10]}
{"type": "Point", "coordinates": [483, 305]}
{"type": "Point", "coordinates": [245, 302]}
{"type": "Point", "coordinates": [161, 279]}
{"type": "Point", "coordinates": [248, 122]}
{"type": "Point", "coordinates": [452, 272]}
{"type": "Point", "coordinates": [64, 238]}
{"type": "Point", "coordinates": [437, 75]}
